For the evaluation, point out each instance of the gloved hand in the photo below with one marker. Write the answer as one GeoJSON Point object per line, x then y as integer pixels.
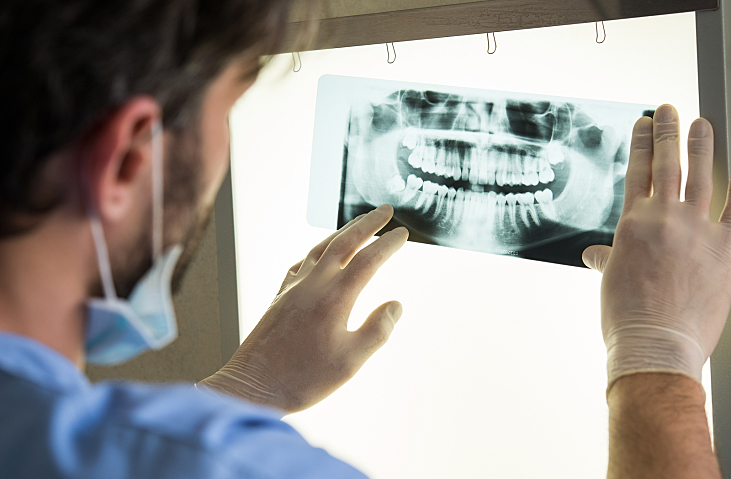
{"type": "Point", "coordinates": [301, 351]}
{"type": "Point", "coordinates": [666, 290]}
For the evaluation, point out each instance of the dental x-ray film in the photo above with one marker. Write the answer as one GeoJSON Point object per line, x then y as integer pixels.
{"type": "Point", "coordinates": [533, 176]}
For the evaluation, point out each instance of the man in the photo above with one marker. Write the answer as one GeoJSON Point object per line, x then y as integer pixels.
{"type": "Point", "coordinates": [114, 123]}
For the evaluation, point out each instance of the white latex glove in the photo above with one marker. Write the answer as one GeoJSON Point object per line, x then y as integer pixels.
{"type": "Point", "coordinates": [666, 290]}
{"type": "Point", "coordinates": [301, 350]}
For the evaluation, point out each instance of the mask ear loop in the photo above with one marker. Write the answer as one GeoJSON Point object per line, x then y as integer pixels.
{"type": "Point", "coordinates": [157, 190]}
{"type": "Point", "coordinates": [100, 242]}
{"type": "Point", "coordinates": [97, 232]}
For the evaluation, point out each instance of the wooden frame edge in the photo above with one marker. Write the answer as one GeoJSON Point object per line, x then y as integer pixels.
{"type": "Point", "coordinates": [472, 18]}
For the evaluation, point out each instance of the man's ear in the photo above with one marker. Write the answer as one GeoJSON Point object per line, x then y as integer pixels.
{"type": "Point", "coordinates": [117, 155]}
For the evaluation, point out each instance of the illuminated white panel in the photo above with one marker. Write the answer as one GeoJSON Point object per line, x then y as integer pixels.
{"type": "Point", "coordinates": [497, 368]}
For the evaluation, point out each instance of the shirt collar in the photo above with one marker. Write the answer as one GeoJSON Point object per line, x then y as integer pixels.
{"type": "Point", "coordinates": [31, 360]}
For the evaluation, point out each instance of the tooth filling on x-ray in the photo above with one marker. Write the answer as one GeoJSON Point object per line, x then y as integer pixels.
{"type": "Point", "coordinates": [487, 173]}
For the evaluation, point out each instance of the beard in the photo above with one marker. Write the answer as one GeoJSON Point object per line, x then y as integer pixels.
{"type": "Point", "coordinates": [185, 221]}
{"type": "Point", "coordinates": [190, 247]}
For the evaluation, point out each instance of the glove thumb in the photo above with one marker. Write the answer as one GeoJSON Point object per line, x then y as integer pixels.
{"type": "Point", "coordinates": [596, 257]}
{"type": "Point", "coordinates": [377, 328]}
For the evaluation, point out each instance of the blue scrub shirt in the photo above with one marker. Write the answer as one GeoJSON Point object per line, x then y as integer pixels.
{"type": "Point", "coordinates": [55, 424]}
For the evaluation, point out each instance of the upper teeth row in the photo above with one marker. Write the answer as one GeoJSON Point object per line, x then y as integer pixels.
{"type": "Point", "coordinates": [484, 166]}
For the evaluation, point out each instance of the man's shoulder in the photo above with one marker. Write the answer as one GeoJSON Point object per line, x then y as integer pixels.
{"type": "Point", "coordinates": [39, 385]}
{"type": "Point", "coordinates": [39, 425]}
{"type": "Point", "coordinates": [70, 427]}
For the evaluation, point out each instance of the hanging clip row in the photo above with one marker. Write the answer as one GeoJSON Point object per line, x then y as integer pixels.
{"type": "Point", "coordinates": [491, 48]}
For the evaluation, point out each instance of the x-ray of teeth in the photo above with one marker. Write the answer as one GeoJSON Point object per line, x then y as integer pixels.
{"type": "Point", "coordinates": [504, 173]}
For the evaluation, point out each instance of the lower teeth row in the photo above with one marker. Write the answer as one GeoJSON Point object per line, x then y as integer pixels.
{"type": "Point", "coordinates": [458, 205]}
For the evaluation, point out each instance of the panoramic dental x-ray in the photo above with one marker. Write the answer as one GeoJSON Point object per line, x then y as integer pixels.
{"type": "Point", "coordinates": [504, 173]}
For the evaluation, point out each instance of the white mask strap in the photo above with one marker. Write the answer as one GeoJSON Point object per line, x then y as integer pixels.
{"type": "Point", "coordinates": [102, 253]}
{"type": "Point", "coordinates": [157, 190]}
{"type": "Point", "coordinates": [97, 231]}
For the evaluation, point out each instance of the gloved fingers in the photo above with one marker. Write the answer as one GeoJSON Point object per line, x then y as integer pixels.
{"type": "Point", "coordinates": [366, 263]}
{"type": "Point", "coordinates": [316, 253]}
{"type": "Point", "coordinates": [699, 188]}
{"type": "Point", "coordinates": [343, 247]}
{"type": "Point", "coordinates": [375, 331]}
{"type": "Point", "coordinates": [666, 172]}
{"type": "Point", "coordinates": [596, 257]}
{"type": "Point", "coordinates": [638, 182]}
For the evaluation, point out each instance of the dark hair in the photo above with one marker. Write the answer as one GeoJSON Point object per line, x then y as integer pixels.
{"type": "Point", "coordinates": [64, 64]}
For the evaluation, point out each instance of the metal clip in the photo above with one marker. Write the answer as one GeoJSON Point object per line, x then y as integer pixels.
{"type": "Point", "coordinates": [494, 40]}
{"type": "Point", "coordinates": [294, 62]}
{"type": "Point", "coordinates": [597, 33]}
{"type": "Point", "coordinates": [388, 52]}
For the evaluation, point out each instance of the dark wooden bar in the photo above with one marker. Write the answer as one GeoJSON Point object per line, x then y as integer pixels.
{"type": "Point", "coordinates": [478, 17]}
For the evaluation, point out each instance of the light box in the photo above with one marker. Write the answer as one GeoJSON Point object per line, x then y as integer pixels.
{"type": "Point", "coordinates": [497, 367]}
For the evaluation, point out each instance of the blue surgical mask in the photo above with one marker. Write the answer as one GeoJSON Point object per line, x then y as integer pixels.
{"type": "Point", "coordinates": [120, 329]}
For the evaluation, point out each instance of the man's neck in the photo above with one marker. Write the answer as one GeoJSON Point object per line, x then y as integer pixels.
{"type": "Point", "coordinates": [43, 285]}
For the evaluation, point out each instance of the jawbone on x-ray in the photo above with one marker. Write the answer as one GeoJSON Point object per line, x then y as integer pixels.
{"type": "Point", "coordinates": [506, 173]}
